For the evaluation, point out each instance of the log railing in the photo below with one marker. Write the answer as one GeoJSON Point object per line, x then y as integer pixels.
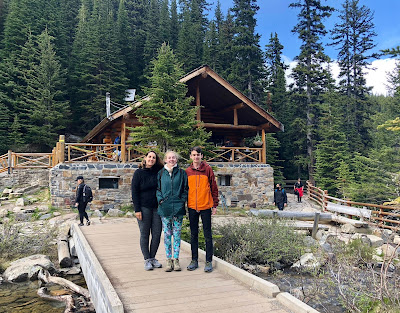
{"type": "Point", "coordinates": [3, 163]}
{"type": "Point", "coordinates": [383, 216]}
{"type": "Point", "coordinates": [13, 160]}
{"type": "Point", "coordinates": [235, 154]}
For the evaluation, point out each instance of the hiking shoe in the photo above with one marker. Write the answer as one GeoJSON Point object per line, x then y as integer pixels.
{"type": "Point", "coordinates": [177, 267]}
{"type": "Point", "coordinates": [88, 223]}
{"type": "Point", "coordinates": [81, 224]}
{"type": "Point", "coordinates": [208, 268]}
{"type": "Point", "coordinates": [155, 263]}
{"type": "Point", "coordinates": [148, 266]}
{"type": "Point", "coordinates": [170, 266]}
{"type": "Point", "coordinates": [193, 265]}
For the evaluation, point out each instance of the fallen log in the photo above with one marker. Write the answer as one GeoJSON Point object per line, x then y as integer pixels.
{"type": "Point", "coordinates": [67, 299]}
{"type": "Point", "coordinates": [64, 258]}
{"type": "Point", "coordinates": [45, 276]}
{"type": "Point", "coordinates": [301, 216]}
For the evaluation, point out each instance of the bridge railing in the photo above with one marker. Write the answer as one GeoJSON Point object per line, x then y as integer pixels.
{"type": "Point", "coordinates": [17, 160]}
{"type": "Point", "coordinates": [383, 216]}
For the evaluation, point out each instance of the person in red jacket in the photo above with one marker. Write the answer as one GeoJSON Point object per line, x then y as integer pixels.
{"type": "Point", "coordinates": [202, 201]}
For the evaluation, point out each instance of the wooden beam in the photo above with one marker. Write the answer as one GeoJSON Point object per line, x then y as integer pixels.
{"type": "Point", "coordinates": [123, 145]}
{"type": "Point", "coordinates": [229, 126]}
{"type": "Point", "coordinates": [264, 147]}
{"type": "Point", "coordinates": [232, 107]}
{"type": "Point", "coordinates": [198, 116]}
{"type": "Point", "coordinates": [235, 117]}
{"type": "Point", "coordinates": [62, 148]}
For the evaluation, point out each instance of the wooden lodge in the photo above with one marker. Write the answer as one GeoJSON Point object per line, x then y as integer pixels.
{"type": "Point", "coordinates": [222, 109]}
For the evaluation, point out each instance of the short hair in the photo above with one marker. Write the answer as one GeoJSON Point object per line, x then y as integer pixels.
{"type": "Point", "coordinates": [197, 149]}
{"type": "Point", "coordinates": [169, 152]}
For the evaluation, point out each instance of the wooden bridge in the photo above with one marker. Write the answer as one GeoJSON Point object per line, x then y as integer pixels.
{"type": "Point", "coordinates": [113, 266]}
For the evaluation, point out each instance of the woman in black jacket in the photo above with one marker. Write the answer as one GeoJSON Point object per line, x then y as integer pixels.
{"type": "Point", "coordinates": [144, 187]}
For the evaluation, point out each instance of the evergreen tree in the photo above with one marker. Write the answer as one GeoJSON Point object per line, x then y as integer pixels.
{"type": "Point", "coordinates": [354, 37]}
{"type": "Point", "coordinates": [310, 77]}
{"type": "Point", "coordinates": [174, 27]}
{"type": "Point", "coordinates": [152, 28]}
{"type": "Point", "coordinates": [16, 142]}
{"type": "Point", "coordinates": [168, 118]}
{"type": "Point", "coordinates": [226, 31]}
{"type": "Point", "coordinates": [246, 71]}
{"type": "Point", "coordinates": [48, 111]}
{"type": "Point", "coordinates": [165, 22]}
{"type": "Point", "coordinates": [4, 127]}
{"type": "Point", "coordinates": [273, 146]}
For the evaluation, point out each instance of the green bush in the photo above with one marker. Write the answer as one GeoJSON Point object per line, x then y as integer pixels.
{"type": "Point", "coordinates": [261, 241]}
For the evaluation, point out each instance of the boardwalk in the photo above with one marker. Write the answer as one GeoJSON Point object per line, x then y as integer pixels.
{"type": "Point", "coordinates": [116, 245]}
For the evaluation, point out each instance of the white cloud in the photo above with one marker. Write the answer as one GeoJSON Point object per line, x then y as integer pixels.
{"type": "Point", "coordinates": [376, 75]}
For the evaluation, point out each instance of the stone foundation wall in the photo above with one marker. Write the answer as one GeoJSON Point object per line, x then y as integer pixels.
{"type": "Point", "coordinates": [251, 185]}
{"type": "Point", "coordinates": [24, 177]}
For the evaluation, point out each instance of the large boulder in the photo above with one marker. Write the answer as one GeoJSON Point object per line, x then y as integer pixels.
{"type": "Point", "coordinates": [27, 268]}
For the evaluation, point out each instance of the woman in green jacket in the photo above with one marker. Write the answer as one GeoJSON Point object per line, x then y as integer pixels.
{"type": "Point", "coordinates": [172, 194]}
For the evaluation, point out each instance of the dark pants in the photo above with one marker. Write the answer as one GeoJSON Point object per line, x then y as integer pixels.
{"type": "Point", "coordinates": [82, 212]}
{"type": "Point", "coordinates": [194, 233]}
{"type": "Point", "coordinates": [280, 205]}
{"type": "Point", "coordinates": [150, 223]}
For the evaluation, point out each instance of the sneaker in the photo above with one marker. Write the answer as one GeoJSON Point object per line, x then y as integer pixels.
{"type": "Point", "coordinates": [88, 223]}
{"type": "Point", "coordinates": [193, 265]}
{"type": "Point", "coordinates": [177, 267]}
{"type": "Point", "coordinates": [155, 263]}
{"type": "Point", "coordinates": [80, 224]}
{"type": "Point", "coordinates": [208, 268]}
{"type": "Point", "coordinates": [170, 266]}
{"type": "Point", "coordinates": [148, 266]}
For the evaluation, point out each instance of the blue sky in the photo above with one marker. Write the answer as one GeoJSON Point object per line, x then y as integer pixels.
{"type": "Point", "coordinates": [276, 16]}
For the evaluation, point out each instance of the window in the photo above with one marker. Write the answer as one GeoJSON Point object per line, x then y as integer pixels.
{"type": "Point", "coordinates": [224, 180]}
{"type": "Point", "coordinates": [108, 182]}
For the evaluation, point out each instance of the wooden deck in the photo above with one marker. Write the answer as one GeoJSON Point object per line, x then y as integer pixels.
{"type": "Point", "coordinates": [116, 245]}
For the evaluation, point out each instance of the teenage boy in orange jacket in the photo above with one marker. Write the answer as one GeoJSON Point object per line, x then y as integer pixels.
{"type": "Point", "coordinates": [202, 201]}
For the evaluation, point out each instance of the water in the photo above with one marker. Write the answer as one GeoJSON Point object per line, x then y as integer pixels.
{"type": "Point", "coordinates": [23, 298]}
{"type": "Point", "coordinates": [318, 294]}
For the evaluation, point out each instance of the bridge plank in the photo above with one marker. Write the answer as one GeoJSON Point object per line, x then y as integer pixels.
{"type": "Point", "coordinates": [116, 245]}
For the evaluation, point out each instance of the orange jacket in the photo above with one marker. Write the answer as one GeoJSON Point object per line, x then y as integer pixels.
{"type": "Point", "coordinates": [203, 190]}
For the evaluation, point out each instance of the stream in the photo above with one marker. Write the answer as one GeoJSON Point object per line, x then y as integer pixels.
{"type": "Point", "coordinates": [23, 298]}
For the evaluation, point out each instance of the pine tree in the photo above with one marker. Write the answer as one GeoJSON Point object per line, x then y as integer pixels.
{"type": "Point", "coordinates": [354, 37]}
{"type": "Point", "coordinates": [246, 71]}
{"type": "Point", "coordinates": [152, 28]}
{"type": "Point", "coordinates": [273, 146]}
{"type": "Point", "coordinates": [165, 22]}
{"type": "Point", "coordinates": [310, 77]}
{"type": "Point", "coordinates": [4, 127]}
{"type": "Point", "coordinates": [48, 111]}
{"type": "Point", "coordinates": [16, 142]}
{"type": "Point", "coordinates": [168, 118]}
{"type": "Point", "coordinates": [174, 27]}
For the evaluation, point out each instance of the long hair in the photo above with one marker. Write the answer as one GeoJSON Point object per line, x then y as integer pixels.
{"type": "Point", "coordinates": [159, 163]}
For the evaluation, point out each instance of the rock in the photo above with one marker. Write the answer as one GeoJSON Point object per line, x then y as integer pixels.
{"type": "Point", "coordinates": [3, 212]}
{"type": "Point", "coordinates": [22, 269]}
{"type": "Point", "coordinates": [387, 235]}
{"type": "Point", "coordinates": [129, 214]}
{"type": "Point", "coordinates": [348, 229]}
{"type": "Point", "coordinates": [307, 260]}
{"type": "Point", "coordinates": [364, 239]}
{"type": "Point", "coordinates": [18, 209]}
{"type": "Point", "coordinates": [249, 267]}
{"type": "Point", "coordinates": [74, 271]}
{"type": "Point", "coordinates": [108, 207]}
{"type": "Point", "coordinates": [115, 213]}
{"type": "Point", "coordinates": [7, 191]}
{"type": "Point", "coordinates": [45, 216]}
{"type": "Point", "coordinates": [396, 239]}
{"type": "Point", "coordinates": [375, 241]}
{"type": "Point", "coordinates": [23, 217]}
{"type": "Point", "coordinates": [297, 292]}
{"type": "Point", "coordinates": [388, 250]}
{"type": "Point", "coordinates": [97, 213]}
{"type": "Point", "coordinates": [309, 241]}
{"type": "Point", "coordinates": [56, 213]}
{"type": "Point", "coordinates": [326, 247]}
{"type": "Point", "coordinates": [320, 234]}
{"type": "Point", "coordinates": [263, 269]}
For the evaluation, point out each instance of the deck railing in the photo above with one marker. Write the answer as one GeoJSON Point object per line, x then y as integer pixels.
{"type": "Point", "coordinates": [235, 154]}
{"type": "Point", "coordinates": [13, 160]}
{"type": "Point", "coordinates": [383, 216]}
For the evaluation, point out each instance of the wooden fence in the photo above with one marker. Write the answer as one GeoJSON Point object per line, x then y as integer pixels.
{"type": "Point", "coordinates": [13, 160]}
{"type": "Point", "coordinates": [383, 216]}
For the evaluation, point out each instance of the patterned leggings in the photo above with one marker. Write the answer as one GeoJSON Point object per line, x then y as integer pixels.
{"type": "Point", "coordinates": [172, 227]}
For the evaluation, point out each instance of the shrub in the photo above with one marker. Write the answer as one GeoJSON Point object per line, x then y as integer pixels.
{"type": "Point", "coordinates": [261, 241]}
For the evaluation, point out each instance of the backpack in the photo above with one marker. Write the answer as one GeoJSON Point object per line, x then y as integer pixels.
{"type": "Point", "coordinates": [87, 195]}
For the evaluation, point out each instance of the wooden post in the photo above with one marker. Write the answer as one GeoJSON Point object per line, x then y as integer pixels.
{"type": "Point", "coordinates": [235, 117]}
{"type": "Point", "coordinates": [198, 117]}
{"type": "Point", "coordinates": [123, 145]}
{"type": "Point", "coordinates": [324, 200]}
{"type": "Point", "coordinates": [53, 157]}
{"type": "Point", "coordinates": [315, 226]}
{"type": "Point", "coordinates": [264, 147]}
{"type": "Point", "coordinates": [62, 148]}
{"type": "Point", "coordinates": [9, 161]}
{"type": "Point", "coordinates": [69, 153]}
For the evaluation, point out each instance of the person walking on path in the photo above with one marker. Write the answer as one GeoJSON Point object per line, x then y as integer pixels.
{"type": "Point", "coordinates": [144, 188]}
{"type": "Point", "coordinates": [298, 189]}
{"type": "Point", "coordinates": [202, 201]}
{"type": "Point", "coordinates": [172, 194]}
{"type": "Point", "coordinates": [80, 202]}
{"type": "Point", "coordinates": [280, 197]}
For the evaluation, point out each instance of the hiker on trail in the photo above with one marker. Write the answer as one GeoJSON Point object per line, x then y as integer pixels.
{"type": "Point", "coordinates": [280, 197]}
{"type": "Point", "coordinates": [144, 188]}
{"type": "Point", "coordinates": [80, 202]}
{"type": "Point", "coordinates": [202, 201]}
{"type": "Point", "coordinates": [172, 194]}
{"type": "Point", "coordinates": [298, 189]}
